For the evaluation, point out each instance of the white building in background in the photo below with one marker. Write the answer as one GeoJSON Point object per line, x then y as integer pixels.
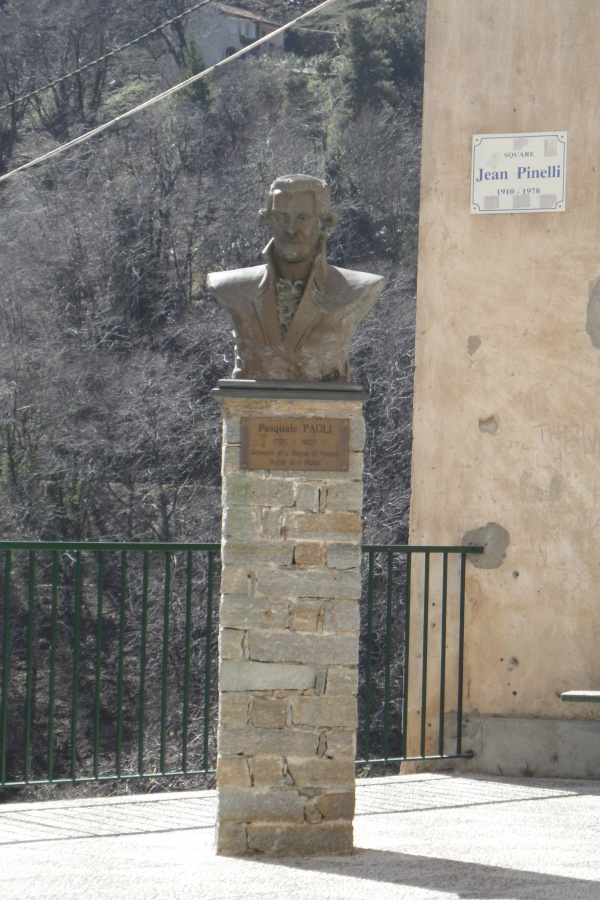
{"type": "Point", "coordinates": [219, 30]}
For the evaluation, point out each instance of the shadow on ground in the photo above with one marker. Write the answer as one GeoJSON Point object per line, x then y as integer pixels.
{"type": "Point", "coordinates": [460, 878]}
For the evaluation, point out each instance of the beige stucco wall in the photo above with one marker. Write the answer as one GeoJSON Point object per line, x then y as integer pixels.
{"type": "Point", "coordinates": [507, 392]}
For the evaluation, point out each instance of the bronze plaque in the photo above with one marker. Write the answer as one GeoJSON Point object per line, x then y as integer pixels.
{"type": "Point", "coordinates": [300, 444]}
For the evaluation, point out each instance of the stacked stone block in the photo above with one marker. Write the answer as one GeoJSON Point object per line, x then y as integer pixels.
{"type": "Point", "coordinates": [289, 626]}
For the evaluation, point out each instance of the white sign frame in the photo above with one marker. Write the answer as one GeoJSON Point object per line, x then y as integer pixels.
{"type": "Point", "coordinates": [519, 173]}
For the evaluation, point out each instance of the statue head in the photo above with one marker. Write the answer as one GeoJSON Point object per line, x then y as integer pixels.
{"type": "Point", "coordinates": [299, 214]}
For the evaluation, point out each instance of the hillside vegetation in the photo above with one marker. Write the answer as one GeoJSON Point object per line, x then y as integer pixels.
{"type": "Point", "coordinates": [109, 341]}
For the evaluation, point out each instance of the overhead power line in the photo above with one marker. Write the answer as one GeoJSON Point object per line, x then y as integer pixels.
{"type": "Point", "coordinates": [163, 96]}
{"type": "Point", "coordinates": [96, 62]}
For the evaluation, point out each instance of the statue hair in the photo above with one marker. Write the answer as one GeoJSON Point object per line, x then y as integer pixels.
{"type": "Point", "coordinates": [299, 184]}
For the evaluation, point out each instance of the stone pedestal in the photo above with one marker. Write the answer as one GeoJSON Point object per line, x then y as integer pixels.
{"type": "Point", "coordinates": [289, 627]}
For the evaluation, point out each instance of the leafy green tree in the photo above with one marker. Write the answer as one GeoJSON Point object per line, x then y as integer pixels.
{"type": "Point", "coordinates": [368, 76]}
{"type": "Point", "coordinates": [383, 55]}
{"type": "Point", "coordinates": [193, 63]}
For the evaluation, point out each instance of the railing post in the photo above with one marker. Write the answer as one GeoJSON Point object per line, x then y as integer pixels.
{"type": "Point", "coordinates": [461, 654]}
{"type": "Point", "coordinates": [52, 677]}
{"type": "Point", "coordinates": [388, 653]}
{"type": "Point", "coordinates": [76, 656]}
{"type": "Point", "coordinates": [121, 661]}
{"type": "Point", "coordinates": [143, 661]}
{"type": "Point", "coordinates": [5, 663]}
{"type": "Point", "coordinates": [407, 630]}
{"type": "Point", "coordinates": [186, 661]}
{"type": "Point", "coordinates": [443, 654]}
{"type": "Point", "coordinates": [30, 670]}
{"type": "Point", "coordinates": [425, 659]}
{"type": "Point", "coordinates": [98, 674]}
{"type": "Point", "coordinates": [164, 706]}
{"type": "Point", "coordinates": [369, 652]}
{"type": "Point", "coordinates": [208, 657]}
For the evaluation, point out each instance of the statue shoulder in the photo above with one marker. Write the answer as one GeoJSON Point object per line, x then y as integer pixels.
{"type": "Point", "coordinates": [347, 287]}
{"type": "Point", "coordinates": [236, 285]}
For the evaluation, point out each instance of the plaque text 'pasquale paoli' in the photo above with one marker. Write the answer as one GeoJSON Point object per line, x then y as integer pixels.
{"type": "Point", "coordinates": [299, 444]}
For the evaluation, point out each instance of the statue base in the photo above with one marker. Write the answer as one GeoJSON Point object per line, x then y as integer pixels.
{"type": "Point", "coordinates": [289, 617]}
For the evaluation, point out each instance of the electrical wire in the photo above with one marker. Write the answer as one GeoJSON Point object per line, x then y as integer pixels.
{"type": "Point", "coordinates": [163, 96]}
{"type": "Point", "coordinates": [96, 62]}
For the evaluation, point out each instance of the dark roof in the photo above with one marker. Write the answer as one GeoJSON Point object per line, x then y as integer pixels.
{"type": "Point", "coordinates": [242, 13]}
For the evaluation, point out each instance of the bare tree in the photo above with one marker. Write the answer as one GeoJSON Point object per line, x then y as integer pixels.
{"type": "Point", "coordinates": [153, 13]}
{"type": "Point", "coordinates": [63, 43]}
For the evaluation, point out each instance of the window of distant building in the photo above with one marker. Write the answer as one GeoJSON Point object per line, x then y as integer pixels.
{"type": "Point", "coordinates": [233, 26]}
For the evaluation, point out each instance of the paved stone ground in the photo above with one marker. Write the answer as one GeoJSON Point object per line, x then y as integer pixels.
{"type": "Point", "coordinates": [417, 838]}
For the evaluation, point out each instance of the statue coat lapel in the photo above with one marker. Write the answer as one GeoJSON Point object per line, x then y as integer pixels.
{"type": "Point", "coordinates": [265, 305]}
{"type": "Point", "coordinates": [307, 316]}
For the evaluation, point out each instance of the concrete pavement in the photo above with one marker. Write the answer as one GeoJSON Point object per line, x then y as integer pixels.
{"type": "Point", "coordinates": [417, 838]}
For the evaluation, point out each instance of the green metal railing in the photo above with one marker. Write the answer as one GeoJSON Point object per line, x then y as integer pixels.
{"type": "Point", "coordinates": [412, 653]}
{"type": "Point", "coordinates": [109, 662]}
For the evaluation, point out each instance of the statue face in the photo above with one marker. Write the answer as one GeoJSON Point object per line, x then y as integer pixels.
{"type": "Point", "coordinates": [295, 226]}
